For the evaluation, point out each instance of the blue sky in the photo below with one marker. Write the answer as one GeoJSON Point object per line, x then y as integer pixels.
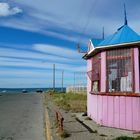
{"type": "Point", "coordinates": [36, 34]}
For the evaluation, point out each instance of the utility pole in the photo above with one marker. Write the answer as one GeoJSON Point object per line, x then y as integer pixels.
{"type": "Point", "coordinates": [53, 77]}
{"type": "Point", "coordinates": [62, 79]}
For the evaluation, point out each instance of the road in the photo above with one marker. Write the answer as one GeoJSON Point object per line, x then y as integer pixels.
{"type": "Point", "coordinates": [22, 117]}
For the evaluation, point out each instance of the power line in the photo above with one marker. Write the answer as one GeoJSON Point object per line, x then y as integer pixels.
{"type": "Point", "coordinates": [87, 21]}
{"type": "Point", "coordinates": [88, 16]}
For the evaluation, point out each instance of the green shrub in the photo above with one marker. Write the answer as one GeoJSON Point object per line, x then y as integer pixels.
{"type": "Point", "coordinates": [70, 101]}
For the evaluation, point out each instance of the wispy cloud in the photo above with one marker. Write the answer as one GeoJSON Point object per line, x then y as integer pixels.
{"type": "Point", "coordinates": [11, 62]}
{"type": "Point", "coordinates": [54, 54]}
{"type": "Point", "coordinates": [42, 57]}
{"type": "Point", "coordinates": [48, 18]}
{"type": "Point", "coordinates": [58, 51]}
{"type": "Point", "coordinates": [6, 10]}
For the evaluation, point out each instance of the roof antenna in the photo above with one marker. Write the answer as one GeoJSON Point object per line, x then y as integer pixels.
{"type": "Point", "coordinates": [103, 34]}
{"type": "Point", "coordinates": [125, 16]}
{"type": "Point", "coordinates": [79, 49]}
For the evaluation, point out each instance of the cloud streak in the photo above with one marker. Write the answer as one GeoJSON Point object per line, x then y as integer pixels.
{"type": "Point", "coordinates": [58, 51]}
{"type": "Point", "coordinates": [6, 10]}
{"type": "Point", "coordinates": [50, 18]}
{"type": "Point", "coordinates": [42, 56]}
{"type": "Point", "coordinates": [44, 53]}
{"type": "Point", "coordinates": [40, 65]}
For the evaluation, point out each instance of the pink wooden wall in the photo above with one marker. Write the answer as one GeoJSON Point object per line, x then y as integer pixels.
{"type": "Point", "coordinates": [115, 111]}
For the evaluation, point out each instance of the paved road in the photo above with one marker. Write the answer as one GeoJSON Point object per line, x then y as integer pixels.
{"type": "Point", "coordinates": [21, 117]}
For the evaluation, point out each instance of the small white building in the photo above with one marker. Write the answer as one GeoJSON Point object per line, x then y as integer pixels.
{"type": "Point", "coordinates": [81, 89]}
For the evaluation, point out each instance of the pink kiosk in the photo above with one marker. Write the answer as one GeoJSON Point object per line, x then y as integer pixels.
{"type": "Point", "coordinates": [113, 89]}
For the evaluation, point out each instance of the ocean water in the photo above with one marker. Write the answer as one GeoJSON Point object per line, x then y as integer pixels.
{"type": "Point", "coordinates": [29, 90]}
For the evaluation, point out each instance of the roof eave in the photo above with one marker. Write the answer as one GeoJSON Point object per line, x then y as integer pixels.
{"type": "Point", "coordinates": [102, 48]}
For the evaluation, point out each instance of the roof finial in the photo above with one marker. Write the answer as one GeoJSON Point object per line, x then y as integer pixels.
{"type": "Point", "coordinates": [125, 18]}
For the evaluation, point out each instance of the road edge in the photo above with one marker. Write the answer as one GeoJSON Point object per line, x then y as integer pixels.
{"type": "Point", "coordinates": [48, 132]}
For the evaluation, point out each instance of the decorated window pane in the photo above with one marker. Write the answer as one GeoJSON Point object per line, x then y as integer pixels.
{"type": "Point", "coordinates": [94, 74]}
{"type": "Point", "coordinates": [119, 70]}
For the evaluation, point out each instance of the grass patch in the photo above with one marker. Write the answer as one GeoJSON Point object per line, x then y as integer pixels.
{"type": "Point", "coordinates": [138, 138]}
{"type": "Point", "coordinates": [70, 101]}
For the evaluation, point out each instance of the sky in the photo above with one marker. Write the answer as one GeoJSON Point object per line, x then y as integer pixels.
{"type": "Point", "coordinates": [35, 34]}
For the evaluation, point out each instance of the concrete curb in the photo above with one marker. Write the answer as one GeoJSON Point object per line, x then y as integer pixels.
{"type": "Point", "coordinates": [47, 124]}
{"type": "Point", "coordinates": [48, 132]}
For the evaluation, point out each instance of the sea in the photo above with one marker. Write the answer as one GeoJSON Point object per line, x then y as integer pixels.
{"type": "Point", "coordinates": [29, 90]}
